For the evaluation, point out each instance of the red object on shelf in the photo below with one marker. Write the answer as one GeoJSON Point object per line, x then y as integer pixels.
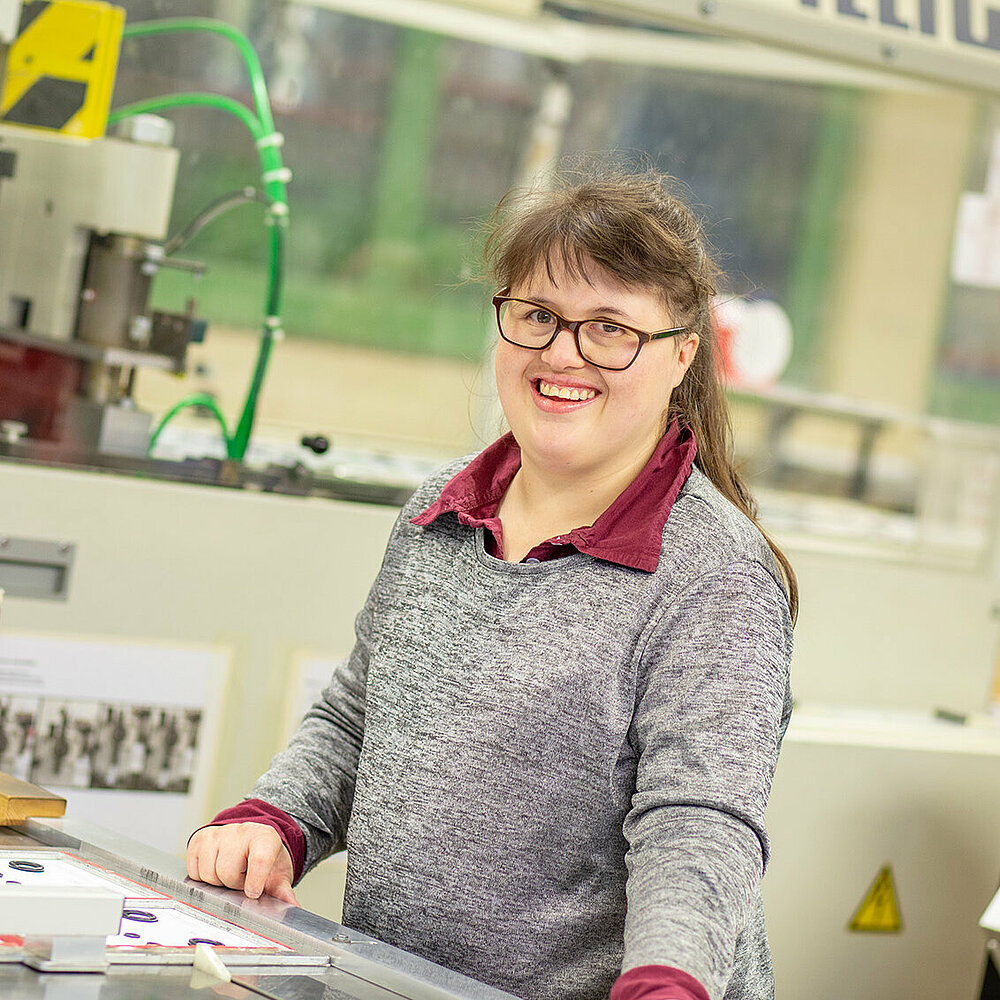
{"type": "Point", "coordinates": [36, 387]}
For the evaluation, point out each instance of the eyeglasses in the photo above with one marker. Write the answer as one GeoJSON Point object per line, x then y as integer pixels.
{"type": "Point", "coordinates": [601, 342]}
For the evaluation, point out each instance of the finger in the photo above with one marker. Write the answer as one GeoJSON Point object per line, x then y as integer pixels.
{"type": "Point", "coordinates": [231, 863]}
{"type": "Point", "coordinates": [205, 860]}
{"type": "Point", "coordinates": [195, 849]}
{"type": "Point", "coordinates": [263, 852]}
{"type": "Point", "coordinates": [191, 862]}
{"type": "Point", "coordinates": [280, 883]}
{"type": "Point", "coordinates": [282, 889]}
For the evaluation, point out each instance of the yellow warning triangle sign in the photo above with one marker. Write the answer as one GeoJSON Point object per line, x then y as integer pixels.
{"type": "Point", "coordinates": [879, 910]}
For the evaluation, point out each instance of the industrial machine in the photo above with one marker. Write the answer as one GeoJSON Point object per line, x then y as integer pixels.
{"type": "Point", "coordinates": [83, 218]}
{"type": "Point", "coordinates": [85, 204]}
{"type": "Point", "coordinates": [83, 233]}
{"type": "Point", "coordinates": [86, 912]}
{"type": "Point", "coordinates": [84, 224]}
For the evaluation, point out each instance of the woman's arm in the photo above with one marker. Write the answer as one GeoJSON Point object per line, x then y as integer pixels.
{"type": "Point", "coordinates": [712, 704]}
{"type": "Point", "coordinates": [301, 806]}
{"type": "Point", "coordinates": [305, 797]}
{"type": "Point", "coordinates": [313, 779]}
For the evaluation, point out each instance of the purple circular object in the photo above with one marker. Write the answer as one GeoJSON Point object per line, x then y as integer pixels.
{"type": "Point", "coordinates": [26, 866]}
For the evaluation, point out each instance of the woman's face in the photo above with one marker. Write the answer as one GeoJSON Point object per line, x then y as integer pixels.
{"type": "Point", "coordinates": [615, 425]}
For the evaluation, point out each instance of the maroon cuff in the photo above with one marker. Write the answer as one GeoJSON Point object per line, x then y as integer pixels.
{"type": "Point", "coordinates": [657, 982]}
{"type": "Point", "coordinates": [259, 811]}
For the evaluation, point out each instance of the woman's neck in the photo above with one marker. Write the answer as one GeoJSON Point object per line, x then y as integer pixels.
{"type": "Point", "coordinates": [541, 503]}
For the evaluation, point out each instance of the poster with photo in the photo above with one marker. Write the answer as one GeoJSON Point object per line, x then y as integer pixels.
{"type": "Point", "coordinates": [124, 730]}
{"type": "Point", "coordinates": [18, 718]}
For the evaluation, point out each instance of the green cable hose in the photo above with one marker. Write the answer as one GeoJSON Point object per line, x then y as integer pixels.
{"type": "Point", "coordinates": [218, 101]}
{"type": "Point", "coordinates": [274, 176]}
{"type": "Point", "coordinates": [176, 24]}
{"type": "Point", "coordinates": [241, 436]}
{"type": "Point", "coordinates": [198, 399]}
{"type": "Point", "coordinates": [269, 155]}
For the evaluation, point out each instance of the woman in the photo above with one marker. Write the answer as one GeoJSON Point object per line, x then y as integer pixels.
{"type": "Point", "coordinates": [550, 750]}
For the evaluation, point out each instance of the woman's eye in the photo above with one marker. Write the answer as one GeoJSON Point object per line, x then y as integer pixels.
{"type": "Point", "coordinates": [607, 329]}
{"type": "Point", "coordinates": [541, 316]}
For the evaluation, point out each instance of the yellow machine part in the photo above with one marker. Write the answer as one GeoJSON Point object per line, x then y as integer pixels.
{"type": "Point", "coordinates": [21, 800]}
{"type": "Point", "coordinates": [61, 66]}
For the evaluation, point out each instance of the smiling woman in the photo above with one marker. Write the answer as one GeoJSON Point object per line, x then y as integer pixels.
{"type": "Point", "coordinates": [550, 751]}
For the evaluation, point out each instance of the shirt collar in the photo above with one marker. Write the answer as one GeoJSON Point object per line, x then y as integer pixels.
{"type": "Point", "coordinates": [628, 533]}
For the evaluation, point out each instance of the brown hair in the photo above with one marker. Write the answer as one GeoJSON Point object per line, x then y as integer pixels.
{"type": "Point", "coordinates": [637, 229]}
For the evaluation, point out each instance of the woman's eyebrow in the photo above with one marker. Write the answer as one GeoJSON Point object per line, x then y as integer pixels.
{"type": "Point", "coordinates": [599, 311]}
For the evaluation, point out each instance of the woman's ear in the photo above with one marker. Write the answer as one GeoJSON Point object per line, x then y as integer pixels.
{"type": "Point", "coordinates": [686, 350]}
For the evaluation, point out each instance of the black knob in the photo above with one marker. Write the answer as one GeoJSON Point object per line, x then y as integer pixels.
{"type": "Point", "coordinates": [316, 443]}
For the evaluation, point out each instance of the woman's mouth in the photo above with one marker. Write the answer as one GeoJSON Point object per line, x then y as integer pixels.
{"type": "Point", "coordinates": [551, 390]}
{"type": "Point", "coordinates": [555, 397]}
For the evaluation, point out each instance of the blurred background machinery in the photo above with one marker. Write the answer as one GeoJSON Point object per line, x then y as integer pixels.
{"type": "Point", "coordinates": [83, 223]}
{"type": "Point", "coordinates": [83, 226]}
{"type": "Point", "coordinates": [84, 218]}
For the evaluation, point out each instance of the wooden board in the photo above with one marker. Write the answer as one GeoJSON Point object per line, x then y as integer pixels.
{"type": "Point", "coordinates": [20, 800]}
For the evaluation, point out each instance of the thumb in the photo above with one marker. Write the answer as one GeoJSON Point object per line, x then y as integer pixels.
{"type": "Point", "coordinates": [281, 888]}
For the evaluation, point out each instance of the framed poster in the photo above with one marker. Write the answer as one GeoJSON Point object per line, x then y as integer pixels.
{"type": "Point", "coordinates": [125, 730]}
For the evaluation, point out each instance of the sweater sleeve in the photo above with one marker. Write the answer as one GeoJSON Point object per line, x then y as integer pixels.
{"type": "Point", "coordinates": [313, 779]}
{"type": "Point", "coordinates": [711, 706]}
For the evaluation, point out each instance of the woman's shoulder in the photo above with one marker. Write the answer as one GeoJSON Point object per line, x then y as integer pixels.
{"type": "Point", "coordinates": [711, 531]}
{"type": "Point", "coordinates": [430, 488]}
{"type": "Point", "coordinates": [424, 497]}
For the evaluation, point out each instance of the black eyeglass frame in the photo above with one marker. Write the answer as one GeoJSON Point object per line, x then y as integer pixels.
{"type": "Point", "coordinates": [574, 328]}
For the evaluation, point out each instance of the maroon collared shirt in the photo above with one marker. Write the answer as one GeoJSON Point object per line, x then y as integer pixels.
{"type": "Point", "coordinates": [629, 532]}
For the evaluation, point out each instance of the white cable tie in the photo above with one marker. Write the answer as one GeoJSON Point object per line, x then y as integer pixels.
{"type": "Point", "coordinates": [272, 322]}
{"type": "Point", "coordinates": [282, 174]}
{"type": "Point", "coordinates": [274, 139]}
{"type": "Point", "coordinates": [279, 208]}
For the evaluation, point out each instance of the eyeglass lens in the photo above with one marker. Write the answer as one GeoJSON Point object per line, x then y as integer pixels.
{"type": "Point", "coordinates": [601, 342]}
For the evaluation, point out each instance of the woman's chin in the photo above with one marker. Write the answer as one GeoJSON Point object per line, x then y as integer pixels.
{"type": "Point", "coordinates": [561, 456]}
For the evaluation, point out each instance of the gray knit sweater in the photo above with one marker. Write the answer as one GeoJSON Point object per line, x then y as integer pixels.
{"type": "Point", "coordinates": [546, 773]}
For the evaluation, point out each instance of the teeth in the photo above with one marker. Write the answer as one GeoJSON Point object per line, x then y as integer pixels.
{"type": "Point", "coordinates": [563, 392]}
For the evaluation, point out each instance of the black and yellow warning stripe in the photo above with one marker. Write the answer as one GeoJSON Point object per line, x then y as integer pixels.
{"type": "Point", "coordinates": [61, 66]}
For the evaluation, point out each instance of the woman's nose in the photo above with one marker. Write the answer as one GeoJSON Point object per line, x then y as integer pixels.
{"type": "Point", "coordinates": [562, 352]}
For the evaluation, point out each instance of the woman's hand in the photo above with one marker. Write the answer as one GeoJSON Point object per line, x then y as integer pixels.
{"type": "Point", "coordinates": [247, 856]}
